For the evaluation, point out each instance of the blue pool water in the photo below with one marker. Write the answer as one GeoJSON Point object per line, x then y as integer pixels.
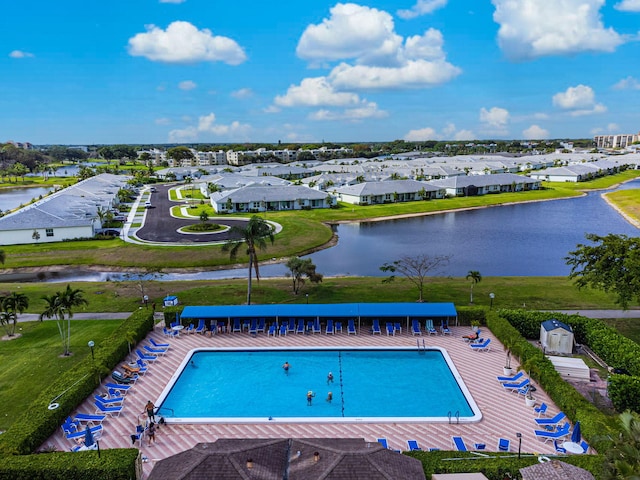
{"type": "Point", "coordinates": [368, 385]}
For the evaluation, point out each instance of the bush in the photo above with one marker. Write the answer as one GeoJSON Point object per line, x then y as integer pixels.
{"type": "Point", "coordinates": [471, 315]}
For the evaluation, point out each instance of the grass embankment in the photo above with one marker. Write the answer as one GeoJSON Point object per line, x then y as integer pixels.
{"type": "Point", "coordinates": [303, 231]}
{"type": "Point", "coordinates": [31, 361]}
{"type": "Point", "coordinates": [627, 202]}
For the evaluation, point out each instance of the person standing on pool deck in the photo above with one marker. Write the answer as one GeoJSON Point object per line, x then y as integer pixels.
{"type": "Point", "coordinates": [285, 367]}
{"type": "Point", "coordinates": [329, 397]}
{"type": "Point", "coordinates": [310, 396]}
{"type": "Point", "coordinates": [149, 409]}
{"type": "Point", "coordinates": [329, 378]}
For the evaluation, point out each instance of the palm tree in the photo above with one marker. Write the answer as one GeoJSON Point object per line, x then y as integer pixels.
{"type": "Point", "coordinates": [12, 305]}
{"type": "Point", "coordinates": [622, 460]}
{"type": "Point", "coordinates": [475, 277]}
{"type": "Point", "coordinates": [59, 305]}
{"type": "Point", "coordinates": [255, 236]}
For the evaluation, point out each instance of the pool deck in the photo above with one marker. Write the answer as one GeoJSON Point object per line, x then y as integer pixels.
{"type": "Point", "coordinates": [504, 413]}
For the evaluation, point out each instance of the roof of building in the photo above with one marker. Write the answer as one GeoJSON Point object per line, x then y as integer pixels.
{"type": "Point", "coordinates": [389, 186]}
{"type": "Point", "coordinates": [555, 470]}
{"type": "Point", "coordinates": [255, 192]}
{"type": "Point", "coordinates": [483, 180]}
{"type": "Point", "coordinates": [293, 459]}
{"type": "Point", "coordinates": [553, 324]}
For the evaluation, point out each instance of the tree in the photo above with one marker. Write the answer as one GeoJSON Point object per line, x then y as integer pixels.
{"type": "Point", "coordinates": [622, 461]}
{"type": "Point", "coordinates": [3, 256]}
{"type": "Point", "coordinates": [12, 305]}
{"type": "Point", "coordinates": [59, 305]}
{"type": "Point", "coordinates": [299, 269]}
{"type": "Point", "coordinates": [180, 153]}
{"type": "Point", "coordinates": [254, 235]}
{"type": "Point", "coordinates": [416, 269]}
{"type": "Point", "coordinates": [611, 265]}
{"type": "Point", "coordinates": [475, 277]}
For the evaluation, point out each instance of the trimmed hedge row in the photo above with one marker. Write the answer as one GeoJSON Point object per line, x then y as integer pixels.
{"type": "Point", "coordinates": [113, 464]}
{"type": "Point", "coordinates": [497, 466]}
{"type": "Point", "coordinates": [505, 324]}
{"type": "Point", "coordinates": [471, 315]}
{"type": "Point", "coordinates": [38, 422]}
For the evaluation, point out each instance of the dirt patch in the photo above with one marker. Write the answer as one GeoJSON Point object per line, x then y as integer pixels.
{"type": "Point", "coordinates": [11, 337]}
{"type": "Point", "coordinates": [595, 391]}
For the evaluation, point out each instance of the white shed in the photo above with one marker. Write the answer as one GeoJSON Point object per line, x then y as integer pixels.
{"type": "Point", "coordinates": [556, 337]}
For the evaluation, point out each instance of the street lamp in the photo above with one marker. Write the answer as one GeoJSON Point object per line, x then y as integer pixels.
{"type": "Point", "coordinates": [491, 297]}
{"type": "Point", "coordinates": [91, 345]}
{"type": "Point", "coordinates": [307, 295]}
{"type": "Point", "coordinates": [519, 435]}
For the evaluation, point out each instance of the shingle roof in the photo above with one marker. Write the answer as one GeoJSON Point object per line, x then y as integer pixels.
{"type": "Point", "coordinates": [390, 186]}
{"type": "Point", "coordinates": [482, 180]}
{"type": "Point", "coordinates": [255, 192]}
{"type": "Point", "coordinates": [555, 470]}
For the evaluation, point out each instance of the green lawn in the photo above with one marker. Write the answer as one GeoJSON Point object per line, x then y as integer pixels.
{"type": "Point", "coordinates": [31, 361]}
{"type": "Point", "coordinates": [628, 201]}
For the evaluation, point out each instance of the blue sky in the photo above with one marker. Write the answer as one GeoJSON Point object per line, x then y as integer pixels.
{"type": "Point", "coordinates": [209, 71]}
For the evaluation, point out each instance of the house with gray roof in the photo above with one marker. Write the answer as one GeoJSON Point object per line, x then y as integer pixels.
{"type": "Point", "coordinates": [261, 198]}
{"type": "Point", "coordinates": [64, 215]}
{"type": "Point", "coordinates": [228, 181]}
{"type": "Point", "coordinates": [471, 185]}
{"type": "Point", "coordinates": [373, 193]}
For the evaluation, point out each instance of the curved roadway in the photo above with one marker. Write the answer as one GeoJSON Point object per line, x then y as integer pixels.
{"type": "Point", "coordinates": [160, 226]}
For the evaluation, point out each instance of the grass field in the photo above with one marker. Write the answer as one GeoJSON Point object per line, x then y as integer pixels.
{"type": "Point", "coordinates": [628, 201]}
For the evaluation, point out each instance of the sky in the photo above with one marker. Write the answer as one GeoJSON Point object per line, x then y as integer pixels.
{"type": "Point", "coordinates": [306, 71]}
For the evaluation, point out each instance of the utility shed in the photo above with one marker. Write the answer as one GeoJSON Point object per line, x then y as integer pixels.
{"type": "Point", "coordinates": [568, 367]}
{"type": "Point", "coordinates": [556, 337]}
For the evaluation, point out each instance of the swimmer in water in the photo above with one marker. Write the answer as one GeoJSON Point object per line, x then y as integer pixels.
{"type": "Point", "coordinates": [286, 367]}
{"type": "Point", "coordinates": [329, 397]}
{"type": "Point", "coordinates": [329, 378]}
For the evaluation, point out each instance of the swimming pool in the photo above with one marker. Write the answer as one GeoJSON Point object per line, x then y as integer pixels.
{"type": "Point", "coordinates": [369, 385]}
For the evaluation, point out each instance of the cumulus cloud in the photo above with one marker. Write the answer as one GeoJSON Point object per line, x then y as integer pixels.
{"type": "Point", "coordinates": [610, 128]}
{"type": "Point", "coordinates": [578, 101]}
{"type": "Point", "coordinates": [536, 28]}
{"type": "Point", "coordinates": [449, 132]}
{"type": "Point", "coordinates": [494, 120]}
{"type": "Point", "coordinates": [534, 132]}
{"type": "Point", "coordinates": [368, 110]}
{"type": "Point", "coordinates": [314, 92]}
{"type": "Point", "coordinates": [629, 83]}
{"type": "Point", "coordinates": [182, 42]}
{"type": "Point", "coordinates": [207, 126]}
{"type": "Point", "coordinates": [242, 93]}
{"type": "Point", "coordinates": [187, 85]}
{"type": "Point", "coordinates": [422, 7]}
{"type": "Point", "coordinates": [20, 54]}
{"type": "Point", "coordinates": [628, 6]}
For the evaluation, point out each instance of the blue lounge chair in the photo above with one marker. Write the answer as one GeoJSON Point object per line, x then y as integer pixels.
{"type": "Point", "coordinates": [516, 386]}
{"type": "Point", "coordinates": [261, 326]}
{"type": "Point", "coordinates": [300, 326]}
{"type": "Point", "coordinates": [397, 327]}
{"type": "Point", "coordinates": [555, 420]}
{"type": "Point", "coordinates": [153, 351]}
{"type": "Point", "coordinates": [109, 401]}
{"type": "Point", "coordinates": [329, 328]}
{"type": "Point", "coordinates": [413, 445]}
{"type": "Point", "coordinates": [585, 446]}
{"type": "Point", "coordinates": [169, 333]}
{"type": "Point", "coordinates": [375, 328]}
{"type": "Point", "coordinates": [201, 326]}
{"type": "Point", "coordinates": [100, 408]}
{"type": "Point", "coordinates": [415, 328]}
{"type": "Point", "coordinates": [245, 324]}
{"type": "Point", "coordinates": [283, 330]}
{"type": "Point", "coordinates": [316, 326]}
{"type": "Point", "coordinates": [253, 327]}
{"type": "Point", "coordinates": [190, 329]}
{"type": "Point", "coordinates": [338, 327]}
{"type": "Point", "coordinates": [459, 444]}
{"type": "Point", "coordinates": [80, 433]}
{"type": "Point", "coordinates": [430, 329]}
{"type": "Point", "coordinates": [558, 448]}
{"type": "Point", "coordinates": [292, 325]}
{"type": "Point", "coordinates": [121, 387]}
{"type": "Point", "coordinates": [383, 442]}
{"type": "Point", "coordinates": [89, 418]}
{"type": "Point", "coordinates": [512, 379]}
{"type": "Point", "coordinates": [444, 328]}
{"type": "Point", "coordinates": [541, 410]}
{"type": "Point", "coordinates": [504, 444]}
{"type": "Point", "coordinates": [138, 435]}
{"type": "Point", "coordinates": [547, 435]}
{"type": "Point", "coordinates": [145, 357]}
{"type": "Point", "coordinates": [237, 326]}
{"type": "Point", "coordinates": [351, 328]}
{"type": "Point", "coordinates": [159, 345]}
{"type": "Point", "coordinates": [83, 448]}
{"type": "Point", "coordinates": [142, 366]}
{"type": "Point", "coordinates": [390, 329]}
{"type": "Point", "coordinates": [118, 377]}
{"type": "Point", "coordinates": [481, 347]}
{"type": "Point", "coordinates": [272, 330]}
{"type": "Point", "coordinates": [522, 391]}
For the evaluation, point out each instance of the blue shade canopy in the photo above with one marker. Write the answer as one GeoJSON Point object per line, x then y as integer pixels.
{"type": "Point", "coordinates": [333, 310]}
{"type": "Point", "coordinates": [576, 436]}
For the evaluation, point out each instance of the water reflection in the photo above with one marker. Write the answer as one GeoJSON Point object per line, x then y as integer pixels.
{"type": "Point", "coordinates": [11, 198]}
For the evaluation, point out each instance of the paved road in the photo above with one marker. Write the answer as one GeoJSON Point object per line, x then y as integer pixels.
{"type": "Point", "coordinates": [160, 226]}
{"type": "Point", "coordinates": [603, 313]}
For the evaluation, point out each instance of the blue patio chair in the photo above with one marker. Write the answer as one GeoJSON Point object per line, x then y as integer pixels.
{"type": "Point", "coordinates": [413, 445]}
{"type": "Point", "coordinates": [329, 329]}
{"type": "Point", "coordinates": [283, 329]}
{"type": "Point", "coordinates": [555, 420]}
{"type": "Point", "coordinates": [511, 379]}
{"type": "Point", "coordinates": [431, 330]}
{"type": "Point", "coordinates": [261, 322]}
{"type": "Point", "coordinates": [390, 329]}
{"type": "Point", "coordinates": [397, 327]}
{"type": "Point", "coordinates": [504, 444]}
{"type": "Point", "coordinates": [159, 345]}
{"type": "Point", "coordinates": [89, 418]}
{"type": "Point", "coordinates": [585, 446]}
{"type": "Point", "coordinates": [100, 408]}
{"type": "Point", "coordinates": [383, 441]}
{"type": "Point", "coordinates": [300, 326]}
{"type": "Point", "coordinates": [316, 326]}
{"type": "Point", "coordinates": [292, 325]}
{"type": "Point", "coordinates": [237, 326]}
{"type": "Point", "coordinates": [415, 328]}
{"type": "Point", "coordinates": [459, 445]}
{"type": "Point", "coordinates": [351, 328]}
{"type": "Point", "coordinates": [559, 449]}
{"type": "Point", "coordinates": [375, 328]}
{"type": "Point", "coordinates": [271, 331]}
{"type": "Point", "coordinates": [444, 328]}
{"type": "Point", "coordinates": [338, 327]}
{"type": "Point", "coordinates": [253, 328]}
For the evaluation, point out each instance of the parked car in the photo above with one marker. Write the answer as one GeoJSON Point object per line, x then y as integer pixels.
{"type": "Point", "coordinates": [153, 190]}
{"type": "Point", "coordinates": [147, 204]}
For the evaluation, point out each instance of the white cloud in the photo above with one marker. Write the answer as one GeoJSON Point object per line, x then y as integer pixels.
{"type": "Point", "coordinates": [629, 83]}
{"type": "Point", "coordinates": [536, 28]}
{"type": "Point", "coordinates": [162, 121]}
{"type": "Point", "coordinates": [613, 127]}
{"type": "Point", "coordinates": [422, 7]}
{"type": "Point", "coordinates": [578, 101]}
{"type": "Point", "coordinates": [314, 92]}
{"type": "Point", "coordinates": [242, 93]}
{"type": "Point", "coordinates": [187, 85]}
{"type": "Point", "coordinates": [271, 109]}
{"type": "Point", "coordinates": [534, 132]}
{"type": "Point", "coordinates": [449, 132]}
{"type": "Point", "coordinates": [494, 120]}
{"type": "Point", "coordinates": [182, 42]}
{"type": "Point", "coordinates": [207, 126]}
{"type": "Point", "coordinates": [20, 54]}
{"type": "Point", "coordinates": [628, 6]}
{"type": "Point", "coordinates": [541, 116]}
{"type": "Point", "coordinates": [369, 110]}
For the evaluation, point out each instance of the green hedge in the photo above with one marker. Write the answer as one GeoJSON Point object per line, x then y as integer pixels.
{"type": "Point", "coordinates": [38, 422]}
{"type": "Point", "coordinates": [505, 324]}
{"type": "Point", "coordinates": [497, 466]}
{"type": "Point", "coordinates": [469, 315]}
{"type": "Point", "coordinates": [171, 314]}
{"type": "Point", "coordinates": [112, 464]}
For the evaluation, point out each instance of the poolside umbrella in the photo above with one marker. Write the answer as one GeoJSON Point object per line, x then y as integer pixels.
{"type": "Point", "coordinates": [88, 437]}
{"type": "Point", "coordinates": [576, 436]}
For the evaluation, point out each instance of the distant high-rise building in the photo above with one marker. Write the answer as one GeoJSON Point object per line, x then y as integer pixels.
{"type": "Point", "coordinates": [616, 141]}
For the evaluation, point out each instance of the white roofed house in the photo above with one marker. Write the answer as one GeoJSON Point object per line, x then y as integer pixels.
{"type": "Point", "coordinates": [372, 193]}
{"type": "Point", "coordinates": [472, 185]}
{"type": "Point", "coordinates": [67, 214]}
{"type": "Point", "coordinates": [260, 198]}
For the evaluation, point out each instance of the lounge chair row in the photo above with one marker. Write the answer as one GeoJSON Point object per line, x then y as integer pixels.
{"type": "Point", "coordinates": [429, 328]}
{"type": "Point", "coordinates": [504, 445]}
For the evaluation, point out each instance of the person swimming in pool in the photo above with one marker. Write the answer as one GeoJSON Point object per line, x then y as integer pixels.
{"type": "Point", "coordinates": [286, 367]}
{"type": "Point", "coordinates": [310, 396]}
{"type": "Point", "coordinates": [329, 397]}
{"type": "Point", "coordinates": [329, 378]}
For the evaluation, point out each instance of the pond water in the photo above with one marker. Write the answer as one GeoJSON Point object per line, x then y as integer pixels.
{"type": "Point", "coordinates": [11, 198]}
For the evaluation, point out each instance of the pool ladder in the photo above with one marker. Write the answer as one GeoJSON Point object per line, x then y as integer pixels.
{"type": "Point", "coordinates": [423, 348]}
{"type": "Point", "coordinates": [457, 415]}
